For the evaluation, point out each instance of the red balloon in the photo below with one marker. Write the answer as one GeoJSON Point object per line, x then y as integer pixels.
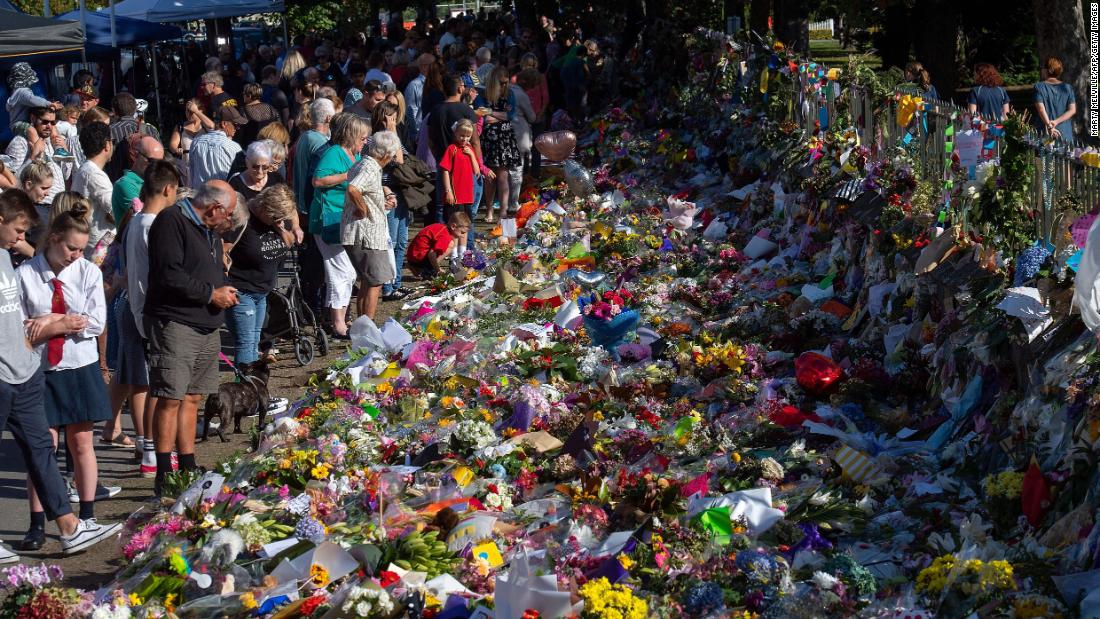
{"type": "Point", "coordinates": [817, 373]}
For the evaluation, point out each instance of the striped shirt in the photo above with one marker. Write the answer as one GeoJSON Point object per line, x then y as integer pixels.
{"type": "Point", "coordinates": [211, 156]}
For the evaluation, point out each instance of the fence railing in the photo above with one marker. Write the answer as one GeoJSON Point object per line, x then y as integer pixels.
{"type": "Point", "coordinates": [824, 25]}
{"type": "Point", "coordinates": [1059, 169]}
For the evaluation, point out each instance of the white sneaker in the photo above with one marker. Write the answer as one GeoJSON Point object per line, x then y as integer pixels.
{"type": "Point", "coordinates": [7, 556]}
{"type": "Point", "coordinates": [275, 406]}
{"type": "Point", "coordinates": [102, 493]}
{"type": "Point", "coordinates": [88, 533]}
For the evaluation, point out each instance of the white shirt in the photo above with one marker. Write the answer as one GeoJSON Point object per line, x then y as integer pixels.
{"type": "Point", "coordinates": [94, 183]}
{"type": "Point", "coordinates": [211, 156]}
{"type": "Point", "coordinates": [82, 287]}
{"type": "Point", "coordinates": [369, 232]}
{"type": "Point", "coordinates": [19, 149]}
{"type": "Point", "coordinates": [137, 265]}
{"type": "Point", "coordinates": [72, 141]}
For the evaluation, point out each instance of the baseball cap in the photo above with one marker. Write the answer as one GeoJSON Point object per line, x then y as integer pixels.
{"type": "Point", "coordinates": [230, 113]}
{"type": "Point", "coordinates": [86, 93]}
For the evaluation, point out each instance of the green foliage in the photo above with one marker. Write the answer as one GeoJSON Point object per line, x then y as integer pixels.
{"type": "Point", "coordinates": [1004, 208]}
{"type": "Point", "coordinates": [178, 481]}
{"type": "Point", "coordinates": [57, 7]}
{"type": "Point", "coordinates": [312, 17]}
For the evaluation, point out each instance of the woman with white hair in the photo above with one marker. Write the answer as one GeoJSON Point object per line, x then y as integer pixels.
{"type": "Point", "coordinates": [258, 174]}
{"type": "Point", "coordinates": [364, 229]}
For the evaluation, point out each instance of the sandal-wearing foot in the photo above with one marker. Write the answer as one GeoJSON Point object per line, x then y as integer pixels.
{"type": "Point", "coordinates": [120, 441]}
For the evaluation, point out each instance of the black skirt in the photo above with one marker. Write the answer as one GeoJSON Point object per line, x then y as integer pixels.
{"type": "Point", "coordinates": [76, 396]}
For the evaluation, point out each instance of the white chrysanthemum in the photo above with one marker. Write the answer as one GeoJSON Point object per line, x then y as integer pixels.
{"type": "Point", "coordinates": [825, 581]}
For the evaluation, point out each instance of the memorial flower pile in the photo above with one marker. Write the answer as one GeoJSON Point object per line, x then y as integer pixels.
{"type": "Point", "coordinates": [738, 370]}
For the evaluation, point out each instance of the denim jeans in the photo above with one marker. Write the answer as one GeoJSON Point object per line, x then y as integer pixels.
{"type": "Point", "coordinates": [245, 321]}
{"type": "Point", "coordinates": [22, 413]}
{"type": "Point", "coordinates": [479, 190]}
{"type": "Point", "coordinates": [398, 221]}
{"type": "Point", "coordinates": [112, 330]}
{"type": "Point", "coordinates": [436, 216]}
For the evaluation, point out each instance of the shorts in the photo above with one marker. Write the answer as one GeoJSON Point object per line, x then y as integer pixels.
{"type": "Point", "coordinates": [182, 360]}
{"type": "Point", "coordinates": [373, 266]}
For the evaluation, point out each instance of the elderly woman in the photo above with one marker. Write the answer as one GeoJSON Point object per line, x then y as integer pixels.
{"type": "Point", "coordinates": [278, 134]}
{"type": "Point", "coordinates": [255, 252]}
{"type": "Point", "coordinates": [364, 229]}
{"type": "Point", "coordinates": [330, 184]}
{"type": "Point", "coordinates": [257, 175]}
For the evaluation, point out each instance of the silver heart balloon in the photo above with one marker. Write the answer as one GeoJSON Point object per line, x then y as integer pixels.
{"type": "Point", "coordinates": [584, 278]}
{"type": "Point", "coordinates": [578, 179]}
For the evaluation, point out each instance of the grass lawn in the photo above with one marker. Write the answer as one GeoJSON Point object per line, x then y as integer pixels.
{"type": "Point", "coordinates": [829, 53]}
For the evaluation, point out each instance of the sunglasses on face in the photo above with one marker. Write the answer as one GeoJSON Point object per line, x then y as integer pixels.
{"type": "Point", "coordinates": [46, 122]}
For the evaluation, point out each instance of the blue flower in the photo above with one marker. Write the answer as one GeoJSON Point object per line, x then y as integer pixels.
{"type": "Point", "coordinates": [702, 599]}
{"type": "Point", "coordinates": [1028, 263]}
{"type": "Point", "coordinates": [310, 529]}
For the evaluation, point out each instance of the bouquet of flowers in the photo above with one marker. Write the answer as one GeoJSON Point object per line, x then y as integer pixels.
{"type": "Point", "coordinates": [609, 319]}
{"type": "Point", "coordinates": [471, 434]}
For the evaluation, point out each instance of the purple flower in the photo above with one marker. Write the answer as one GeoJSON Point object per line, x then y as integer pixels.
{"type": "Point", "coordinates": [310, 529]}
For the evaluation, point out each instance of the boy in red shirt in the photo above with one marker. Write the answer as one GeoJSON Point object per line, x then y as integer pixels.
{"type": "Point", "coordinates": [434, 242]}
{"type": "Point", "coordinates": [459, 165]}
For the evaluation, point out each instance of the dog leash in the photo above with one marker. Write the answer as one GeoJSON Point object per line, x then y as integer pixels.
{"type": "Point", "coordinates": [241, 376]}
{"type": "Point", "coordinates": [236, 371]}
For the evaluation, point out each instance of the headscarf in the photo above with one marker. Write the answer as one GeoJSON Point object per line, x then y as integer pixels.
{"type": "Point", "coordinates": [21, 76]}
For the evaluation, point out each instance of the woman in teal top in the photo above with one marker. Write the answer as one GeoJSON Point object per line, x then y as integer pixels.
{"type": "Point", "coordinates": [1055, 101]}
{"type": "Point", "coordinates": [330, 184]}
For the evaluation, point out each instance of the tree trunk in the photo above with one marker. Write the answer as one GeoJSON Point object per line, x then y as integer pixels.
{"type": "Point", "coordinates": [935, 40]}
{"type": "Point", "coordinates": [1060, 32]}
{"type": "Point", "coordinates": [759, 11]}
{"type": "Point", "coordinates": [792, 25]}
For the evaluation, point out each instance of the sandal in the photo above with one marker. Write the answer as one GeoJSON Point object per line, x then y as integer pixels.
{"type": "Point", "coordinates": [120, 441]}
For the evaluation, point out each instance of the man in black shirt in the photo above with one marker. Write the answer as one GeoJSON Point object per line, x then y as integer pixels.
{"type": "Point", "coordinates": [212, 83]}
{"type": "Point", "coordinates": [183, 312]}
{"type": "Point", "coordinates": [331, 75]}
{"type": "Point", "coordinates": [441, 133]}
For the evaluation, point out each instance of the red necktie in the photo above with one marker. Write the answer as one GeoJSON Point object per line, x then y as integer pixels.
{"type": "Point", "coordinates": [56, 344]}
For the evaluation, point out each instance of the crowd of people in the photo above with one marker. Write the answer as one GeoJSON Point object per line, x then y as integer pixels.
{"type": "Point", "coordinates": [1054, 101]}
{"type": "Point", "coordinates": [131, 246]}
